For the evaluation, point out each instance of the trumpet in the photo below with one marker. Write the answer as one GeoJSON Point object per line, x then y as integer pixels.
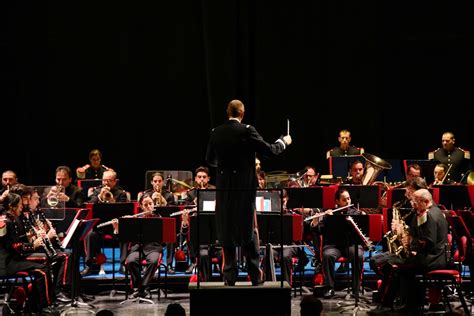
{"type": "Point", "coordinates": [53, 197]}
{"type": "Point", "coordinates": [157, 197]}
{"type": "Point", "coordinates": [105, 195]}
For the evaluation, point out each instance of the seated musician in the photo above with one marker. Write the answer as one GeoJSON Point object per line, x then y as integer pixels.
{"type": "Point", "coordinates": [108, 192]}
{"type": "Point", "coordinates": [356, 172]}
{"type": "Point", "coordinates": [295, 250]}
{"type": "Point", "coordinates": [162, 196]}
{"type": "Point", "coordinates": [33, 219]}
{"type": "Point", "coordinates": [201, 182]}
{"type": "Point", "coordinates": [64, 191]}
{"type": "Point", "coordinates": [151, 252]}
{"type": "Point", "coordinates": [422, 242]}
{"type": "Point", "coordinates": [440, 173]}
{"type": "Point", "coordinates": [332, 252]}
{"type": "Point", "coordinates": [13, 257]}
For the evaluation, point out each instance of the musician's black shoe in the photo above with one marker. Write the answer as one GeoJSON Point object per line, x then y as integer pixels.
{"type": "Point", "coordinates": [329, 293]}
{"type": "Point", "coordinates": [229, 283]}
{"type": "Point", "coordinates": [258, 283]}
{"type": "Point", "coordinates": [191, 268]}
{"type": "Point", "coordinates": [381, 310]}
{"type": "Point", "coordinates": [49, 311]}
{"type": "Point", "coordinates": [89, 271]}
{"type": "Point", "coordinates": [63, 298]}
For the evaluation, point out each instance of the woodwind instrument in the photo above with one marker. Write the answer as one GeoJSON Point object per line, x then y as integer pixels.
{"type": "Point", "coordinates": [38, 228]}
{"type": "Point", "coordinates": [125, 216]}
{"type": "Point", "coordinates": [50, 226]}
{"type": "Point", "coordinates": [367, 243]}
{"type": "Point", "coordinates": [307, 219]}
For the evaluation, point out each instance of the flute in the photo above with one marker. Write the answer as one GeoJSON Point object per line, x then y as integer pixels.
{"type": "Point", "coordinates": [326, 212]}
{"type": "Point", "coordinates": [125, 216]}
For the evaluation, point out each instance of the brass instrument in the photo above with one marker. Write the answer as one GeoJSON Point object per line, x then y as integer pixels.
{"type": "Point", "coordinates": [107, 196]}
{"type": "Point", "coordinates": [53, 195]}
{"type": "Point", "coordinates": [394, 240]}
{"type": "Point", "coordinates": [157, 197]}
{"type": "Point", "coordinates": [373, 166]}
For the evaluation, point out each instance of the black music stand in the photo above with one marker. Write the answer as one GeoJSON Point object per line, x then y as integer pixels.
{"type": "Point", "coordinates": [77, 231]}
{"type": "Point", "coordinates": [203, 231]}
{"type": "Point", "coordinates": [106, 212]}
{"type": "Point", "coordinates": [427, 167]}
{"type": "Point", "coordinates": [140, 231]}
{"type": "Point", "coordinates": [454, 197]}
{"type": "Point", "coordinates": [343, 234]}
{"type": "Point", "coordinates": [339, 166]}
{"type": "Point", "coordinates": [305, 197]}
{"type": "Point", "coordinates": [363, 196]}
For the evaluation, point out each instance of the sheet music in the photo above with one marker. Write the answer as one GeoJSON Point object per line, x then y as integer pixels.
{"type": "Point", "coordinates": [70, 233]}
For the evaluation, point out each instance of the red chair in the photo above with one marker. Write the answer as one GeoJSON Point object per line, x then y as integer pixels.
{"type": "Point", "coordinates": [441, 280]}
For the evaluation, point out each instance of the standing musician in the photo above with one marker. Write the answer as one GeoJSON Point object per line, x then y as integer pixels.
{"type": "Point", "coordinates": [151, 252]}
{"type": "Point", "coordinates": [345, 148]}
{"type": "Point", "coordinates": [201, 182]}
{"type": "Point", "coordinates": [13, 257]}
{"type": "Point", "coordinates": [33, 219]}
{"type": "Point", "coordinates": [332, 252]}
{"type": "Point", "coordinates": [456, 157]}
{"type": "Point", "coordinates": [108, 192]}
{"type": "Point", "coordinates": [94, 169]}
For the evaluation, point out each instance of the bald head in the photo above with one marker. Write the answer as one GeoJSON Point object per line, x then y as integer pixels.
{"type": "Point", "coordinates": [422, 199]}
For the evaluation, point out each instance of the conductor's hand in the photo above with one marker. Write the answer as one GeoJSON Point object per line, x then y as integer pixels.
{"type": "Point", "coordinates": [287, 140]}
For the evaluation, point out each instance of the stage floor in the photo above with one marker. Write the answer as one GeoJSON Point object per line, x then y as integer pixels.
{"type": "Point", "coordinates": [103, 301]}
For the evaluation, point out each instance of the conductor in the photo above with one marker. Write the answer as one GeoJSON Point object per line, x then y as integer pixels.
{"type": "Point", "coordinates": [232, 149]}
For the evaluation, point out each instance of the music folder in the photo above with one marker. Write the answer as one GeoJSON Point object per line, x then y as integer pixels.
{"type": "Point", "coordinates": [79, 229]}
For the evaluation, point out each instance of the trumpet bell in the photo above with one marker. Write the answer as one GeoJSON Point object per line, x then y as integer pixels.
{"type": "Point", "coordinates": [373, 166]}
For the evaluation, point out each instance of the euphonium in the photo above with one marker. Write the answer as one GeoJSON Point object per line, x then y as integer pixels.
{"type": "Point", "coordinates": [394, 239]}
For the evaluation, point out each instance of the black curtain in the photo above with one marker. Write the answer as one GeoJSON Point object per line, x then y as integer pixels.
{"type": "Point", "coordinates": [146, 81]}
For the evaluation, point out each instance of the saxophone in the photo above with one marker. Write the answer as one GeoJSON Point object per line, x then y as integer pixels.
{"type": "Point", "coordinates": [394, 240]}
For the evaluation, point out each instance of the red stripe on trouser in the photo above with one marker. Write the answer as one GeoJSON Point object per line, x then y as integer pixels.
{"type": "Point", "coordinates": [48, 300]}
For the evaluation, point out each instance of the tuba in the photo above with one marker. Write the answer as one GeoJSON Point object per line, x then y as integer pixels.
{"type": "Point", "coordinates": [373, 166]}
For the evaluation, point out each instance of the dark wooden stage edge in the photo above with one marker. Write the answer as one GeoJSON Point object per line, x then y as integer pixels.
{"type": "Point", "coordinates": [213, 298]}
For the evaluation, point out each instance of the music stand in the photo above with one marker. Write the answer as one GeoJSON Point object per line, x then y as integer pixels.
{"type": "Point", "coordinates": [363, 196]}
{"type": "Point", "coordinates": [77, 231]}
{"type": "Point", "coordinates": [339, 166]}
{"type": "Point", "coordinates": [427, 167]}
{"type": "Point", "coordinates": [343, 234]}
{"type": "Point", "coordinates": [454, 197]}
{"type": "Point", "coordinates": [140, 231]}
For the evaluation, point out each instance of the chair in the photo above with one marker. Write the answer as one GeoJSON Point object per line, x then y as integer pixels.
{"type": "Point", "coordinates": [443, 279]}
{"type": "Point", "coordinates": [20, 280]}
{"type": "Point", "coordinates": [157, 275]}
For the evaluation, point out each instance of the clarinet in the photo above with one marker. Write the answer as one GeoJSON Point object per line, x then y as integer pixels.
{"type": "Point", "coordinates": [50, 226]}
{"type": "Point", "coordinates": [39, 231]}
{"type": "Point", "coordinates": [367, 242]}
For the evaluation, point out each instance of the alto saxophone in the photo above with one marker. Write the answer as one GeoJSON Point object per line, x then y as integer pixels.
{"type": "Point", "coordinates": [394, 239]}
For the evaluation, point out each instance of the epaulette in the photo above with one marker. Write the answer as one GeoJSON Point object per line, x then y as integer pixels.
{"type": "Point", "coordinates": [328, 153]}
{"type": "Point", "coordinates": [467, 153]}
{"type": "Point", "coordinates": [361, 150]}
{"type": "Point", "coordinates": [432, 153]}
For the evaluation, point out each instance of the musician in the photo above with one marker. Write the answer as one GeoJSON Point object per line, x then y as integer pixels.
{"type": "Point", "coordinates": [65, 191]}
{"type": "Point", "coordinates": [232, 149]}
{"type": "Point", "coordinates": [162, 197]}
{"type": "Point", "coordinates": [60, 262]}
{"type": "Point", "coordinates": [456, 157]}
{"type": "Point", "coordinates": [345, 148]}
{"type": "Point", "coordinates": [94, 169]}
{"type": "Point", "coordinates": [413, 171]}
{"type": "Point", "coordinates": [424, 239]}
{"type": "Point", "coordinates": [9, 179]}
{"type": "Point", "coordinates": [108, 192]}
{"type": "Point", "coordinates": [13, 255]}
{"type": "Point", "coordinates": [201, 182]}
{"type": "Point", "coordinates": [440, 175]}
{"type": "Point", "coordinates": [331, 252]}
{"type": "Point", "coordinates": [356, 172]}
{"type": "Point", "coordinates": [151, 252]}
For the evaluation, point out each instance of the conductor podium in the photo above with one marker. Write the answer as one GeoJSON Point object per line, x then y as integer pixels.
{"type": "Point", "coordinates": [271, 298]}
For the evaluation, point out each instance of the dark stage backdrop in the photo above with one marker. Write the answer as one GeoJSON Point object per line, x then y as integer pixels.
{"type": "Point", "coordinates": [146, 81]}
